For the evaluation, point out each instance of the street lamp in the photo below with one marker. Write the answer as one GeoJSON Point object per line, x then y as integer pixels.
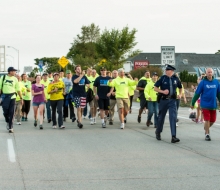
{"type": "Point", "coordinates": [18, 55]}
{"type": "Point", "coordinates": [12, 58]}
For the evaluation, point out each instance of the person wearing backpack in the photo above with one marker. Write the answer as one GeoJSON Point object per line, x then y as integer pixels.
{"type": "Point", "coordinates": [9, 86]}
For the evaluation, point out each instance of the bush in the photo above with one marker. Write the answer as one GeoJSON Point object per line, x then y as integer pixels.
{"type": "Point", "coordinates": [138, 73]}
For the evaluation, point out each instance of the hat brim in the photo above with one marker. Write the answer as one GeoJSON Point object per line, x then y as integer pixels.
{"type": "Point", "coordinates": [13, 70]}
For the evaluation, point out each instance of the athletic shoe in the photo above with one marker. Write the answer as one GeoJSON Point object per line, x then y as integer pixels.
{"type": "Point", "coordinates": [84, 117]}
{"type": "Point", "coordinates": [26, 119]}
{"type": "Point", "coordinates": [105, 119]}
{"type": "Point", "coordinates": [207, 138]}
{"type": "Point", "coordinates": [122, 126]}
{"type": "Point", "coordinates": [64, 119]}
{"type": "Point", "coordinates": [201, 121]}
{"type": "Point", "coordinates": [103, 125]}
{"type": "Point", "coordinates": [195, 120]}
{"type": "Point", "coordinates": [177, 120]}
{"type": "Point", "coordinates": [35, 123]}
{"type": "Point", "coordinates": [110, 122]}
{"type": "Point", "coordinates": [94, 119]}
{"type": "Point", "coordinates": [139, 119]}
{"type": "Point", "coordinates": [11, 131]}
{"type": "Point", "coordinates": [125, 120]}
{"type": "Point", "coordinates": [22, 119]}
{"type": "Point", "coordinates": [54, 127]}
{"type": "Point", "coordinates": [73, 119]}
{"type": "Point", "coordinates": [148, 123]}
{"type": "Point", "coordinates": [62, 127]}
{"type": "Point", "coordinates": [41, 126]}
{"type": "Point", "coordinates": [18, 123]}
{"type": "Point", "coordinates": [91, 121]}
{"type": "Point", "coordinates": [49, 120]}
{"type": "Point", "coordinates": [80, 125]}
{"type": "Point", "coordinates": [7, 126]}
{"type": "Point", "coordinates": [177, 125]}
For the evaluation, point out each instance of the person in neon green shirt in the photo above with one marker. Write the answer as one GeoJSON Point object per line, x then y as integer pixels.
{"type": "Point", "coordinates": [26, 98]}
{"type": "Point", "coordinates": [19, 101]}
{"type": "Point", "coordinates": [121, 84]}
{"type": "Point", "coordinates": [131, 90]}
{"type": "Point", "coordinates": [50, 77]}
{"type": "Point", "coordinates": [8, 87]}
{"type": "Point", "coordinates": [46, 83]}
{"type": "Point", "coordinates": [151, 97]}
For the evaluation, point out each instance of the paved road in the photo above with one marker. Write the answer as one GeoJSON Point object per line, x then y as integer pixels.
{"type": "Point", "coordinates": [111, 158]}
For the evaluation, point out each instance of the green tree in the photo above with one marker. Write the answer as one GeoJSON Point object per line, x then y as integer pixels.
{"type": "Point", "coordinates": [141, 71]}
{"type": "Point", "coordinates": [33, 73]}
{"type": "Point", "coordinates": [83, 50]}
{"type": "Point", "coordinates": [114, 45]}
{"type": "Point", "coordinates": [218, 52]}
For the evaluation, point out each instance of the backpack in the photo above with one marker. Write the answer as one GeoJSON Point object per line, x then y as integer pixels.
{"type": "Point", "coordinates": [89, 95]}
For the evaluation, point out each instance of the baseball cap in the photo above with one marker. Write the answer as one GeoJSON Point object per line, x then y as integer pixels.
{"type": "Point", "coordinates": [55, 74]}
{"type": "Point", "coordinates": [44, 74]}
{"type": "Point", "coordinates": [11, 69]}
{"type": "Point", "coordinates": [103, 69]}
{"type": "Point", "coordinates": [169, 67]}
{"type": "Point", "coordinates": [68, 72]}
{"type": "Point", "coordinates": [154, 73]}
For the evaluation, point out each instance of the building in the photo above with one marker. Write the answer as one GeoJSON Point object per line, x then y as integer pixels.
{"type": "Point", "coordinates": [192, 62]}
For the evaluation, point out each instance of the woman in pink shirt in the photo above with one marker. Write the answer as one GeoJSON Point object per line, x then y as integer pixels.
{"type": "Point", "coordinates": [38, 100]}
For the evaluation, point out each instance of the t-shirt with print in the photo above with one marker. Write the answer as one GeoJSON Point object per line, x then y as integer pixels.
{"type": "Point", "coordinates": [39, 97]}
{"type": "Point", "coordinates": [102, 86]}
{"type": "Point", "coordinates": [27, 85]}
{"type": "Point", "coordinates": [68, 85]}
{"type": "Point", "coordinates": [79, 88]}
{"type": "Point", "coordinates": [46, 84]}
{"type": "Point", "coordinates": [56, 95]}
{"type": "Point", "coordinates": [10, 85]}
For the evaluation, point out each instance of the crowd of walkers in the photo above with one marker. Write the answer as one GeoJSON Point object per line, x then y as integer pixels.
{"type": "Point", "coordinates": [55, 95]}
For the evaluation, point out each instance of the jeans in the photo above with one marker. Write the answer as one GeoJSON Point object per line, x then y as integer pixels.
{"type": "Point", "coordinates": [57, 105]}
{"type": "Point", "coordinates": [153, 109]}
{"type": "Point", "coordinates": [65, 108]}
{"type": "Point", "coordinates": [48, 109]}
{"type": "Point", "coordinates": [8, 106]}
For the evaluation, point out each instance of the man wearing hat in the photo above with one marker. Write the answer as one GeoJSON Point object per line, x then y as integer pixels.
{"type": "Point", "coordinates": [151, 97]}
{"type": "Point", "coordinates": [46, 83]}
{"type": "Point", "coordinates": [166, 88]}
{"type": "Point", "coordinates": [8, 87]}
{"type": "Point", "coordinates": [68, 97]}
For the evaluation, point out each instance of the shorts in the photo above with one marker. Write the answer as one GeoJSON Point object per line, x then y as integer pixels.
{"type": "Point", "coordinates": [123, 103]}
{"type": "Point", "coordinates": [79, 102]}
{"type": "Point", "coordinates": [93, 103]}
{"type": "Point", "coordinates": [103, 104]}
{"type": "Point", "coordinates": [209, 115]}
{"type": "Point", "coordinates": [37, 103]}
{"type": "Point", "coordinates": [143, 103]}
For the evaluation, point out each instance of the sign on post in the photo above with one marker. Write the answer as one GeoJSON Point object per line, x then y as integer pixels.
{"type": "Point", "coordinates": [168, 55]}
{"type": "Point", "coordinates": [63, 61]}
{"type": "Point", "coordinates": [27, 69]}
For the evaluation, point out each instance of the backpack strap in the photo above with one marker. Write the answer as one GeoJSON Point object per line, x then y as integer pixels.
{"type": "Point", "coordinates": [3, 83]}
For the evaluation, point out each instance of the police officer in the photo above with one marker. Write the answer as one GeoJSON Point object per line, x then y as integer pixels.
{"type": "Point", "coordinates": [166, 88]}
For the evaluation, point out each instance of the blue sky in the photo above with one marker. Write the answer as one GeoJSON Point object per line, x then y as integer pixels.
{"type": "Point", "coordinates": [40, 28]}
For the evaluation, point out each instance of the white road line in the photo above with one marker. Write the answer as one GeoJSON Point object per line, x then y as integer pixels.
{"type": "Point", "coordinates": [11, 151]}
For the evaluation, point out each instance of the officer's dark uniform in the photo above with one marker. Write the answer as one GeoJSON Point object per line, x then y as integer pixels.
{"type": "Point", "coordinates": [168, 102]}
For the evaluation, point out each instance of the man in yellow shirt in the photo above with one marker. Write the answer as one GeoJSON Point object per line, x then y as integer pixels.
{"type": "Point", "coordinates": [8, 87]}
{"type": "Point", "coordinates": [151, 97]}
{"type": "Point", "coordinates": [121, 84]}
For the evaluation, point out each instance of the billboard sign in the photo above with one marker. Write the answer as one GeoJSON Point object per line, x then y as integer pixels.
{"type": "Point", "coordinates": [27, 69]}
{"type": "Point", "coordinates": [168, 55]}
{"type": "Point", "coordinates": [138, 64]}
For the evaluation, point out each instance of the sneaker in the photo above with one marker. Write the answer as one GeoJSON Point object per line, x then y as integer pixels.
{"type": "Point", "coordinates": [110, 122]}
{"type": "Point", "coordinates": [201, 121]}
{"type": "Point", "coordinates": [139, 119]}
{"type": "Point", "coordinates": [41, 126]}
{"type": "Point", "coordinates": [25, 119]}
{"type": "Point", "coordinates": [84, 117]}
{"type": "Point", "coordinates": [177, 125]}
{"type": "Point", "coordinates": [18, 123]}
{"type": "Point", "coordinates": [62, 127]}
{"type": "Point", "coordinates": [22, 119]}
{"type": "Point", "coordinates": [125, 120]}
{"type": "Point", "coordinates": [80, 125]}
{"type": "Point", "coordinates": [54, 127]}
{"type": "Point", "coordinates": [148, 123]}
{"type": "Point", "coordinates": [195, 120]}
{"type": "Point", "coordinates": [122, 126]}
{"type": "Point", "coordinates": [103, 125]}
{"type": "Point", "coordinates": [64, 119]}
{"type": "Point", "coordinates": [207, 138]}
{"type": "Point", "coordinates": [73, 119]}
{"type": "Point", "coordinates": [177, 120]}
{"type": "Point", "coordinates": [94, 119]}
{"type": "Point", "coordinates": [11, 131]}
{"type": "Point", "coordinates": [35, 123]}
{"type": "Point", "coordinates": [49, 120]}
{"type": "Point", "coordinates": [91, 121]}
{"type": "Point", "coordinates": [105, 119]}
{"type": "Point", "coordinates": [7, 126]}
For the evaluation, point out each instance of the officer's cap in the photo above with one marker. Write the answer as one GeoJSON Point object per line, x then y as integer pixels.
{"type": "Point", "coordinates": [154, 74]}
{"type": "Point", "coordinates": [169, 67]}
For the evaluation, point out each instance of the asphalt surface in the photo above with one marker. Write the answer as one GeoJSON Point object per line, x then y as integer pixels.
{"type": "Point", "coordinates": [110, 158]}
